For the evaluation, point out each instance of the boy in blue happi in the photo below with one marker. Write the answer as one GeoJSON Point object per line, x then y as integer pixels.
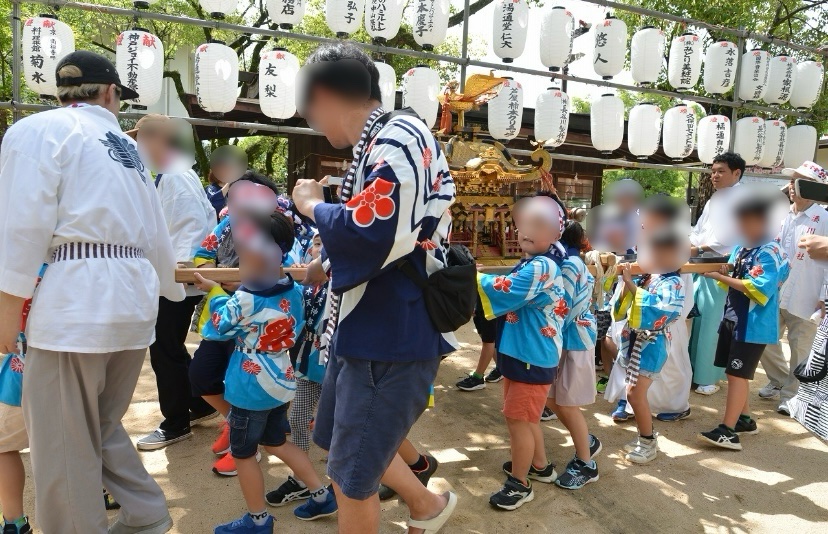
{"type": "Point", "coordinates": [751, 321]}
{"type": "Point", "coordinates": [530, 306]}
{"type": "Point", "coordinates": [263, 316]}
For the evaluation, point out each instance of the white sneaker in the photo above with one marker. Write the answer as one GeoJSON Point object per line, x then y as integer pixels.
{"type": "Point", "coordinates": [645, 452]}
{"type": "Point", "coordinates": [783, 408]}
{"type": "Point", "coordinates": [770, 392]}
{"type": "Point", "coordinates": [707, 390]}
{"type": "Point", "coordinates": [631, 446]}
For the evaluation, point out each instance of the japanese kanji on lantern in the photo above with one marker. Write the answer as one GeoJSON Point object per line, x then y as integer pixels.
{"type": "Point", "coordinates": [720, 63]}
{"type": "Point", "coordinates": [551, 117]}
{"type": "Point", "coordinates": [776, 133]}
{"type": "Point", "coordinates": [216, 77]}
{"type": "Point", "coordinates": [606, 123]}
{"type": "Point", "coordinates": [344, 17]}
{"type": "Point", "coordinates": [753, 80]}
{"type": "Point", "coordinates": [509, 26]}
{"type": "Point", "coordinates": [45, 41]}
{"type": "Point", "coordinates": [679, 135]}
{"type": "Point", "coordinates": [420, 87]}
{"type": "Point", "coordinates": [749, 139]}
{"type": "Point", "coordinates": [506, 111]}
{"type": "Point", "coordinates": [781, 79]}
{"type": "Point", "coordinates": [800, 146]}
{"type": "Point", "coordinates": [684, 63]}
{"type": "Point", "coordinates": [383, 18]}
{"type": "Point", "coordinates": [139, 58]}
{"type": "Point", "coordinates": [429, 22]}
{"type": "Point", "coordinates": [557, 25]}
{"type": "Point", "coordinates": [644, 130]}
{"type": "Point", "coordinates": [808, 84]}
{"type": "Point", "coordinates": [610, 48]}
{"type": "Point", "coordinates": [218, 9]}
{"type": "Point", "coordinates": [277, 83]}
{"type": "Point", "coordinates": [286, 13]}
{"type": "Point", "coordinates": [388, 85]}
{"type": "Point", "coordinates": [713, 137]}
{"type": "Point", "coordinates": [647, 55]}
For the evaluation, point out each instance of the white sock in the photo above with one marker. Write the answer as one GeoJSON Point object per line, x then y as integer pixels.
{"type": "Point", "coordinates": [260, 518]}
{"type": "Point", "coordinates": [320, 495]}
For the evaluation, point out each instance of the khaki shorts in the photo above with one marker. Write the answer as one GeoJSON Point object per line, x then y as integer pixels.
{"type": "Point", "coordinates": [13, 436]}
{"type": "Point", "coordinates": [575, 383]}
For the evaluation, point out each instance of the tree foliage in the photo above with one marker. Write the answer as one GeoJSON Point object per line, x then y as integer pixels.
{"type": "Point", "coordinates": [673, 183]}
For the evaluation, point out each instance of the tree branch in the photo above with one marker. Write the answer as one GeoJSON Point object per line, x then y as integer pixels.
{"type": "Point", "coordinates": [457, 18]}
{"type": "Point", "coordinates": [201, 155]}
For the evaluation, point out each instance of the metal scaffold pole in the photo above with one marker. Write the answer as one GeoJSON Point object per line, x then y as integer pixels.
{"type": "Point", "coordinates": [14, 18]}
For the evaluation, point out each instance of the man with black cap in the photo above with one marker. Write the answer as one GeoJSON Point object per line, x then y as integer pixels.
{"type": "Point", "coordinates": [73, 190]}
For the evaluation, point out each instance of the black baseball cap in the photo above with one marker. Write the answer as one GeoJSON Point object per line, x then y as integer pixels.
{"type": "Point", "coordinates": [94, 68]}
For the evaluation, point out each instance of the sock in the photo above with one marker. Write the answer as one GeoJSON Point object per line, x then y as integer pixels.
{"type": "Point", "coordinates": [731, 430]}
{"type": "Point", "coordinates": [477, 375]}
{"type": "Point", "coordinates": [320, 495]}
{"type": "Point", "coordinates": [591, 464]}
{"type": "Point", "coordinates": [420, 465]}
{"type": "Point", "coordinates": [651, 436]}
{"type": "Point", "coordinates": [299, 482]}
{"type": "Point", "coordinates": [745, 417]}
{"type": "Point", "coordinates": [260, 518]}
{"type": "Point", "coordinates": [19, 522]}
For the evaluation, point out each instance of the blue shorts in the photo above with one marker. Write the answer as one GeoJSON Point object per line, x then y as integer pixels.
{"type": "Point", "coordinates": [251, 428]}
{"type": "Point", "coordinates": [366, 410]}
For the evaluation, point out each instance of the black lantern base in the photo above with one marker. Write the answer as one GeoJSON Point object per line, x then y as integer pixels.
{"type": "Point", "coordinates": [140, 4]}
{"type": "Point", "coordinates": [48, 97]}
{"type": "Point", "coordinates": [554, 69]}
{"type": "Point", "coordinates": [428, 47]}
{"type": "Point", "coordinates": [507, 60]}
{"type": "Point", "coordinates": [606, 77]}
{"type": "Point", "coordinates": [286, 26]}
{"type": "Point", "coordinates": [138, 107]}
{"type": "Point", "coordinates": [217, 15]}
{"type": "Point", "coordinates": [216, 115]}
{"type": "Point", "coordinates": [677, 160]}
{"type": "Point", "coordinates": [380, 41]}
{"type": "Point", "coordinates": [641, 158]}
{"type": "Point", "coordinates": [606, 152]}
{"type": "Point", "coordinates": [342, 35]}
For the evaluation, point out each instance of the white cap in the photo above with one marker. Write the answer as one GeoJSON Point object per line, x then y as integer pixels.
{"type": "Point", "coordinates": [809, 170]}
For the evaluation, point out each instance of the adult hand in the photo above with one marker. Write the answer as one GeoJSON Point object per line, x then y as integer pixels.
{"type": "Point", "coordinates": [306, 195]}
{"type": "Point", "coordinates": [815, 245]}
{"type": "Point", "coordinates": [315, 274]}
{"type": "Point", "coordinates": [204, 284]}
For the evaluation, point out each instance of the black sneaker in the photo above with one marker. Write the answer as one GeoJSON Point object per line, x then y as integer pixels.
{"type": "Point", "coordinates": [494, 376]}
{"type": "Point", "coordinates": [512, 495]}
{"type": "Point", "coordinates": [384, 493]}
{"type": "Point", "coordinates": [548, 415]}
{"type": "Point", "coordinates": [594, 446]}
{"type": "Point", "coordinates": [290, 491]}
{"type": "Point", "coordinates": [198, 418]}
{"type": "Point", "coordinates": [109, 501]}
{"type": "Point", "coordinates": [547, 475]}
{"type": "Point", "coordinates": [577, 475]}
{"type": "Point", "coordinates": [162, 438]}
{"type": "Point", "coordinates": [11, 528]}
{"type": "Point", "coordinates": [423, 476]}
{"type": "Point", "coordinates": [722, 437]}
{"type": "Point", "coordinates": [471, 383]}
{"type": "Point", "coordinates": [746, 427]}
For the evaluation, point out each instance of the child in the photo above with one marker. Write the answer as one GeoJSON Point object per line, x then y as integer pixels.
{"type": "Point", "coordinates": [750, 316]}
{"type": "Point", "coordinates": [13, 439]}
{"type": "Point", "coordinates": [530, 307]}
{"type": "Point", "coordinates": [263, 317]}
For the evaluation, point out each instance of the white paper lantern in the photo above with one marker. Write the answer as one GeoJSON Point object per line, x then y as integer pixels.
{"type": "Point", "coordinates": [610, 47]}
{"type": "Point", "coordinates": [606, 121]}
{"type": "Point", "coordinates": [720, 63]}
{"type": "Point", "coordinates": [383, 18]}
{"type": "Point", "coordinates": [139, 59]}
{"type": "Point", "coordinates": [679, 132]}
{"type": "Point", "coordinates": [713, 137]}
{"type": "Point", "coordinates": [509, 27]}
{"type": "Point", "coordinates": [749, 139]}
{"type": "Point", "coordinates": [684, 63]}
{"type": "Point", "coordinates": [753, 80]}
{"type": "Point", "coordinates": [344, 17]}
{"type": "Point", "coordinates": [216, 77]}
{"type": "Point", "coordinates": [46, 40]}
{"type": "Point", "coordinates": [775, 136]}
{"type": "Point", "coordinates": [644, 130]}
{"type": "Point", "coordinates": [420, 87]}
{"type": "Point", "coordinates": [801, 145]}
{"type": "Point", "coordinates": [808, 84]}
{"type": "Point", "coordinates": [388, 85]}
{"type": "Point", "coordinates": [781, 79]}
{"type": "Point", "coordinates": [286, 13]}
{"type": "Point", "coordinates": [647, 55]}
{"type": "Point", "coordinates": [552, 117]}
{"type": "Point", "coordinates": [506, 111]}
{"type": "Point", "coordinates": [429, 22]}
{"type": "Point", "coordinates": [557, 25]}
{"type": "Point", "coordinates": [277, 83]}
{"type": "Point", "coordinates": [218, 9]}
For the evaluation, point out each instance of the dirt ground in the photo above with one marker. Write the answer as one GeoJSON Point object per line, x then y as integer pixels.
{"type": "Point", "coordinates": [778, 483]}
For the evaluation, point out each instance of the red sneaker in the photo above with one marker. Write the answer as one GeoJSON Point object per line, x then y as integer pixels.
{"type": "Point", "coordinates": [222, 444]}
{"type": "Point", "coordinates": [226, 465]}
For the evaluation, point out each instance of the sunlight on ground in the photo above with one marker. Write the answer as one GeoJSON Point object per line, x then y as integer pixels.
{"type": "Point", "coordinates": [744, 471]}
{"type": "Point", "coordinates": [666, 489]}
{"type": "Point", "coordinates": [817, 493]}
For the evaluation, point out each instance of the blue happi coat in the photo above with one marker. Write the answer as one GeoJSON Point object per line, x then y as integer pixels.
{"type": "Point", "coordinates": [580, 330]}
{"type": "Point", "coordinates": [306, 356]}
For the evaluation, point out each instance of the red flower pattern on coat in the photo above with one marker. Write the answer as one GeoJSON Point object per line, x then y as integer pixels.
{"type": "Point", "coordinates": [427, 244]}
{"type": "Point", "coordinates": [548, 331]}
{"type": "Point", "coordinates": [16, 365]}
{"type": "Point", "coordinates": [251, 367]}
{"type": "Point", "coordinates": [289, 373]}
{"type": "Point", "coordinates": [544, 277]}
{"type": "Point", "coordinates": [284, 305]}
{"type": "Point", "coordinates": [660, 322]}
{"type": "Point", "coordinates": [210, 243]}
{"type": "Point", "coordinates": [278, 335]}
{"type": "Point", "coordinates": [756, 270]}
{"type": "Point", "coordinates": [216, 318]}
{"type": "Point", "coordinates": [561, 309]}
{"type": "Point", "coordinates": [373, 203]}
{"type": "Point", "coordinates": [512, 318]}
{"type": "Point", "coordinates": [501, 283]}
{"type": "Point", "coordinates": [427, 157]}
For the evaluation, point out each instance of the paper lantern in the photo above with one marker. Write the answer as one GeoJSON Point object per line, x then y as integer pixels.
{"type": "Point", "coordinates": [429, 22]}
{"type": "Point", "coordinates": [286, 13]}
{"type": "Point", "coordinates": [781, 79]}
{"type": "Point", "coordinates": [139, 59]}
{"type": "Point", "coordinates": [753, 80]}
{"type": "Point", "coordinates": [800, 146]}
{"type": "Point", "coordinates": [218, 9]}
{"type": "Point", "coordinates": [808, 84]}
{"type": "Point", "coordinates": [749, 139]}
{"type": "Point", "coordinates": [509, 26]}
{"type": "Point", "coordinates": [388, 85]}
{"type": "Point", "coordinates": [644, 130]}
{"type": "Point", "coordinates": [344, 17]}
{"type": "Point", "coordinates": [720, 63]}
{"type": "Point", "coordinates": [506, 111]}
{"type": "Point", "coordinates": [684, 63]}
{"type": "Point", "coordinates": [420, 87]}
{"type": "Point", "coordinates": [679, 132]}
{"type": "Point", "coordinates": [552, 117]}
{"type": "Point", "coordinates": [610, 47]}
{"type": "Point", "coordinates": [647, 55]}
{"type": "Point", "coordinates": [46, 40]}
{"type": "Point", "coordinates": [216, 77]}
{"type": "Point", "coordinates": [606, 121]}
{"type": "Point", "coordinates": [713, 137]}
{"type": "Point", "coordinates": [775, 136]}
{"type": "Point", "coordinates": [557, 25]}
{"type": "Point", "coordinates": [383, 18]}
{"type": "Point", "coordinates": [277, 83]}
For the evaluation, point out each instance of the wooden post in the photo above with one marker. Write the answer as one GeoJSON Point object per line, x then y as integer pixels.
{"type": "Point", "coordinates": [502, 233]}
{"type": "Point", "coordinates": [474, 233]}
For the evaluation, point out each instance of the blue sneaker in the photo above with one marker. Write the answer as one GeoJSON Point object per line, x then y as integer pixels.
{"type": "Point", "coordinates": [673, 416]}
{"type": "Point", "coordinates": [313, 510]}
{"type": "Point", "coordinates": [620, 414]}
{"type": "Point", "coordinates": [245, 525]}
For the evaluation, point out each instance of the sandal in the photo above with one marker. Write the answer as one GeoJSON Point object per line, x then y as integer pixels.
{"type": "Point", "coordinates": [433, 525]}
